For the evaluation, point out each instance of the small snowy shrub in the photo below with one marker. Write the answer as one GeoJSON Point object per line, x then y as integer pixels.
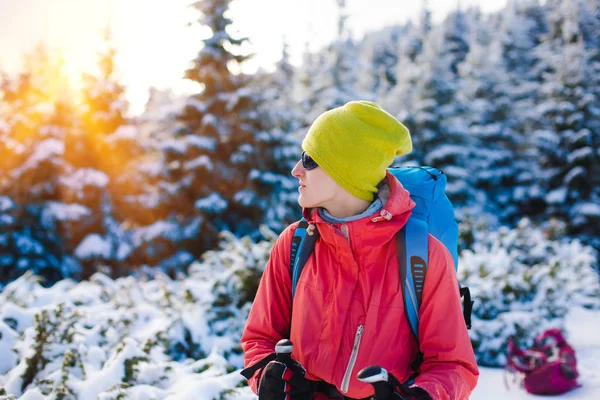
{"type": "Point", "coordinates": [235, 270]}
{"type": "Point", "coordinates": [112, 339]}
{"type": "Point", "coordinates": [523, 281]}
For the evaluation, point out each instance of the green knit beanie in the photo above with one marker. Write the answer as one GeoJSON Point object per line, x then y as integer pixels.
{"type": "Point", "coordinates": [355, 143]}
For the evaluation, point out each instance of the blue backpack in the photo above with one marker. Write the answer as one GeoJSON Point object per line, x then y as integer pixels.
{"type": "Point", "coordinates": [433, 214]}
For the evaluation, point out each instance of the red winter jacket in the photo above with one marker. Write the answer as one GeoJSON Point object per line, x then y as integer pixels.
{"type": "Point", "coordinates": [349, 292]}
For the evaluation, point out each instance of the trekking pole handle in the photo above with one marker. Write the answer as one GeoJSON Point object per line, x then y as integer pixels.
{"type": "Point", "coordinates": [378, 377]}
{"type": "Point", "coordinates": [283, 349]}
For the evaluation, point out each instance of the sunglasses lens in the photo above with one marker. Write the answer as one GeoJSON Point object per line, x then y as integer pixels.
{"type": "Point", "coordinates": [307, 162]}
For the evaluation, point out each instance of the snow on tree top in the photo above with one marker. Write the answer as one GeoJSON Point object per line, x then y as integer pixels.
{"type": "Point", "coordinates": [93, 246]}
{"type": "Point", "coordinates": [65, 212]}
{"type": "Point", "coordinates": [557, 196]}
{"type": "Point", "coordinates": [588, 209]}
{"type": "Point", "coordinates": [13, 145]}
{"type": "Point", "coordinates": [202, 161]}
{"type": "Point", "coordinates": [6, 204]}
{"type": "Point", "coordinates": [85, 177]}
{"type": "Point", "coordinates": [125, 132]}
{"type": "Point", "coordinates": [42, 108]}
{"type": "Point", "coordinates": [169, 230]}
{"type": "Point", "coordinates": [174, 145]}
{"type": "Point", "coordinates": [45, 150]}
{"type": "Point", "coordinates": [212, 203]}
{"type": "Point", "coordinates": [4, 127]}
{"type": "Point", "coordinates": [201, 142]}
{"type": "Point", "coordinates": [580, 155]}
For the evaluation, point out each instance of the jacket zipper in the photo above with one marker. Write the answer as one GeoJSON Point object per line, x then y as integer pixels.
{"type": "Point", "coordinates": [344, 230]}
{"type": "Point", "coordinates": [353, 356]}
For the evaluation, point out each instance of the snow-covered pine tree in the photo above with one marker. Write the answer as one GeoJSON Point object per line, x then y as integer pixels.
{"type": "Point", "coordinates": [336, 68]}
{"type": "Point", "coordinates": [425, 26]}
{"type": "Point", "coordinates": [426, 97]}
{"type": "Point", "coordinates": [567, 135]}
{"type": "Point", "coordinates": [379, 50]}
{"type": "Point", "coordinates": [39, 115]}
{"type": "Point", "coordinates": [278, 144]}
{"type": "Point", "coordinates": [499, 162]}
{"type": "Point", "coordinates": [304, 81]}
{"type": "Point", "coordinates": [218, 167]}
{"type": "Point", "coordinates": [105, 106]}
{"type": "Point", "coordinates": [105, 176]}
{"type": "Point", "coordinates": [519, 31]}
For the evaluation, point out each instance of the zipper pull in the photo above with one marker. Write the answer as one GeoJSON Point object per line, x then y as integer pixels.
{"type": "Point", "coordinates": [383, 214]}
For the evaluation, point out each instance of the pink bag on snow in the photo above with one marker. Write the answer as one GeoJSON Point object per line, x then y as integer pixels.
{"type": "Point", "coordinates": [549, 366]}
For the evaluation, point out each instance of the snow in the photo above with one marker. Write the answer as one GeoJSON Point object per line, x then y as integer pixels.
{"type": "Point", "coordinates": [174, 145]}
{"type": "Point", "coordinates": [212, 203]}
{"type": "Point", "coordinates": [105, 357]}
{"type": "Point", "coordinates": [153, 337]}
{"type": "Point", "coordinates": [169, 230]}
{"type": "Point", "coordinates": [201, 161]}
{"type": "Point", "coordinates": [588, 209]}
{"type": "Point", "coordinates": [6, 204]}
{"type": "Point", "coordinates": [8, 338]}
{"type": "Point", "coordinates": [45, 150]}
{"type": "Point", "coordinates": [65, 212]}
{"type": "Point", "coordinates": [93, 246]}
{"type": "Point", "coordinates": [503, 116]}
{"type": "Point", "coordinates": [125, 132]}
{"type": "Point", "coordinates": [557, 196]}
{"type": "Point", "coordinates": [581, 155]}
{"type": "Point", "coordinates": [201, 142]}
{"type": "Point", "coordinates": [85, 177]}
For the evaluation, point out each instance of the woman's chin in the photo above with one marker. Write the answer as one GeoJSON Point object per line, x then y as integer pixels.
{"type": "Point", "coordinates": [305, 203]}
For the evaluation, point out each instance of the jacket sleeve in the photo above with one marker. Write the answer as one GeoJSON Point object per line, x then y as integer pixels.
{"type": "Point", "coordinates": [449, 370]}
{"type": "Point", "coordinates": [270, 316]}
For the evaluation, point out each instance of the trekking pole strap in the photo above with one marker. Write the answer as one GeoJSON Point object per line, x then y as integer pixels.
{"type": "Point", "coordinates": [467, 305]}
{"type": "Point", "coordinates": [251, 370]}
{"type": "Point", "coordinates": [416, 367]}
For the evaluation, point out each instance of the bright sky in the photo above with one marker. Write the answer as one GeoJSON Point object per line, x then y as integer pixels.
{"type": "Point", "coordinates": [155, 44]}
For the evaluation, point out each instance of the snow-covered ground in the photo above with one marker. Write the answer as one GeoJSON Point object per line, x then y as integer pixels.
{"type": "Point", "coordinates": [119, 338]}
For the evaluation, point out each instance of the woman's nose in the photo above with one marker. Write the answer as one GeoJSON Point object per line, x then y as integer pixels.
{"type": "Point", "coordinates": [298, 170]}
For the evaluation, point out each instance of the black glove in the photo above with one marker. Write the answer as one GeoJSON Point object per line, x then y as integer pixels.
{"type": "Point", "coordinates": [401, 391]}
{"type": "Point", "coordinates": [284, 382]}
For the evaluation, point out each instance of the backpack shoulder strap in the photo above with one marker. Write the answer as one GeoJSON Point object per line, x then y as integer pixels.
{"type": "Point", "coordinates": [413, 251]}
{"type": "Point", "coordinates": [303, 244]}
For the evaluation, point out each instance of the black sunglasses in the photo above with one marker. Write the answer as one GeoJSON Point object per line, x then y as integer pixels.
{"type": "Point", "coordinates": [307, 162]}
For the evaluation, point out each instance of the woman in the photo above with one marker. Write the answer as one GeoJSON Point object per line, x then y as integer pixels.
{"type": "Point", "coordinates": [348, 310]}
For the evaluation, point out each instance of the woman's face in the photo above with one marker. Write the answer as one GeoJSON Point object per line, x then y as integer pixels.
{"type": "Point", "coordinates": [317, 189]}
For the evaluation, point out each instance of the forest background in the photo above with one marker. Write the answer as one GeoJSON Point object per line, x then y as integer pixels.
{"type": "Point", "coordinates": [507, 104]}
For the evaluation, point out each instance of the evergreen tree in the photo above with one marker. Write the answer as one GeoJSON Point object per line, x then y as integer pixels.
{"type": "Point", "coordinates": [278, 144]}
{"type": "Point", "coordinates": [336, 71]}
{"type": "Point", "coordinates": [567, 133]}
{"type": "Point", "coordinates": [101, 153]}
{"type": "Point", "coordinates": [378, 74]}
{"type": "Point", "coordinates": [426, 94]}
{"type": "Point", "coordinates": [498, 166]}
{"type": "Point", "coordinates": [103, 95]}
{"type": "Point", "coordinates": [218, 171]}
{"type": "Point", "coordinates": [39, 114]}
{"type": "Point", "coordinates": [304, 82]}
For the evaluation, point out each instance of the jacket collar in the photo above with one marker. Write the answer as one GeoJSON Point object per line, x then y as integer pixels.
{"type": "Point", "coordinates": [397, 208]}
